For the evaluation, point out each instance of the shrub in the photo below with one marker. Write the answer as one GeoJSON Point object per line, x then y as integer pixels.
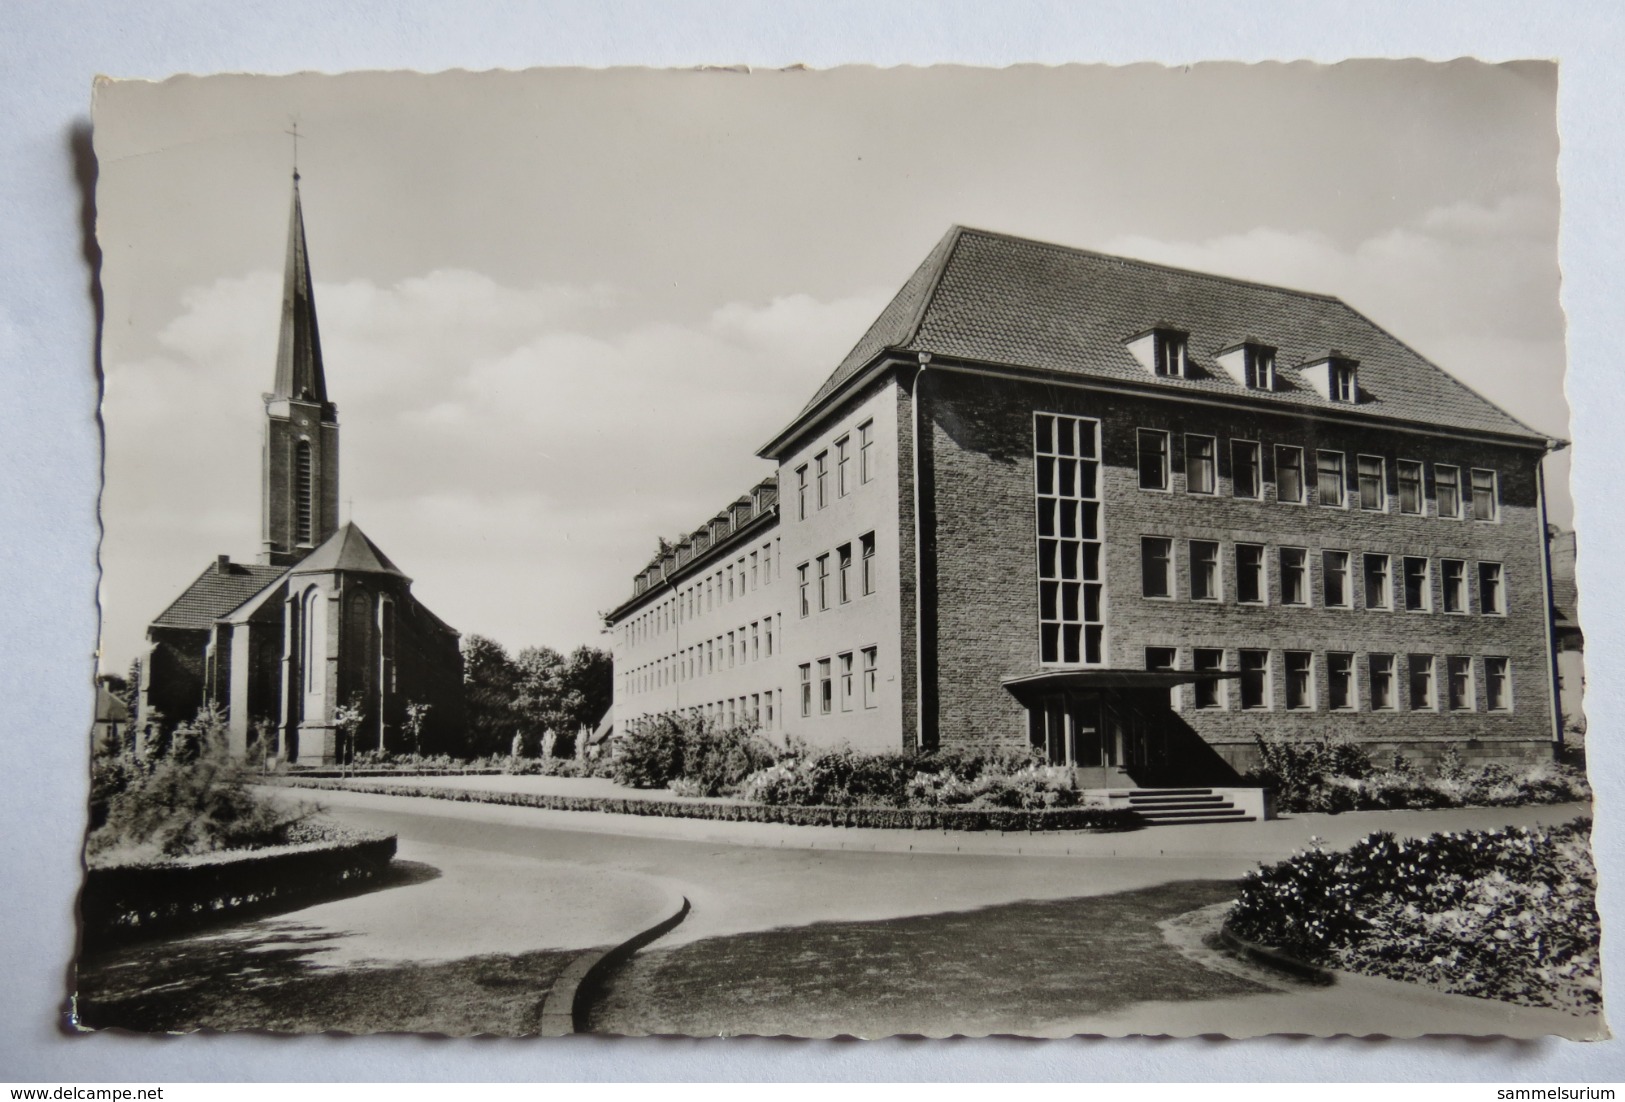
{"type": "Point", "coordinates": [193, 799]}
{"type": "Point", "coordinates": [844, 777]}
{"type": "Point", "coordinates": [1507, 914]}
{"type": "Point", "coordinates": [656, 752]}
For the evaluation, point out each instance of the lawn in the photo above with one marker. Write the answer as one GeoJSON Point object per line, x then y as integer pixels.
{"type": "Point", "coordinates": [1012, 968]}
{"type": "Point", "coordinates": [277, 982]}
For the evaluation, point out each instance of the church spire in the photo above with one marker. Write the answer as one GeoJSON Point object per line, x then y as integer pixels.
{"type": "Point", "coordinates": [299, 505]}
{"type": "Point", "coordinates": [299, 372]}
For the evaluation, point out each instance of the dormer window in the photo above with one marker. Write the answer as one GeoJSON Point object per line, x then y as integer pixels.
{"type": "Point", "coordinates": [1170, 353]}
{"type": "Point", "coordinates": [1163, 351]}
{"type": "Point", "coordinates": [1250, 363]}
{"type": "Point", "coordinates": [1335, 378]}
{"type": "Point", "coordinates": [1344, 386]}
{"type": "Point", "coordinates": [1258, 367]}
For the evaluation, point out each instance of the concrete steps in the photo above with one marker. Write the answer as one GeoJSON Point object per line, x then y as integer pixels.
{"type": "Point", "coordinates": [1171, 806]}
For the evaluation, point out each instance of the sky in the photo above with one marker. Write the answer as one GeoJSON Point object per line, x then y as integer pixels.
{"type": "Point", "coordinates": [561, 309]}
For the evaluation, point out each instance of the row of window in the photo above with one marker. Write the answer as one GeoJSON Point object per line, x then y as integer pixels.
{"type": "Point", "coordinates": [748, 573]}
{"type": "Point", "coordinates": [1337, 485]}
{"type": "Point", "coordinates": [1403, 582]}
{"type": "Point", "coordinates": [813, 483]}
{"type": "Point", "coordinates": [748, 643]}
{"type": "Point", "coordinates": [815, 585]}
{"type": "Point", "coordinates": [761, 710]}
{"type": "Point", "coordinates": [1426, 687]}
{"type": "Point", "coordinates": [1066, 452]}
{"type": "Point", "coordinates": [840, 682]}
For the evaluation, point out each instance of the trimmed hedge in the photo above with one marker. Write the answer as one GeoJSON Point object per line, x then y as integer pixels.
{"type": "Point", "coordinates": [1094, 820]}
{"type": "Point", "coordinates": [120, 902]}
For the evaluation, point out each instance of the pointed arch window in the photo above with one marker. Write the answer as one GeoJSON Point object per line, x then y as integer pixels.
{"type": "Point", "coordinates": [303, 493]}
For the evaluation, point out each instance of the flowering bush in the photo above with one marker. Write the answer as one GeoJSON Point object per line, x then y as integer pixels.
{"type": "Point", "coordinates": [1332, 775]}
{"type": "Point", "coordinates": [1507, 914]}
{"type": "Point", "coordinates": [192, 798]}
{"type": "Point", "coordinates": [712, 760]}
{"type": "Point", "coordinates": [844, 777]}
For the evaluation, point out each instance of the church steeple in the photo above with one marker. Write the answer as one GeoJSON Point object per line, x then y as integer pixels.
{"type": "Point", "coordinates": [300, 488]}
{"type": "Point", "coordinates": [299, 345]}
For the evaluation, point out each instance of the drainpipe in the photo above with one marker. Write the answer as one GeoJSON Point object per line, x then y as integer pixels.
{"type": "Point", "coordinates": [1546, 590]}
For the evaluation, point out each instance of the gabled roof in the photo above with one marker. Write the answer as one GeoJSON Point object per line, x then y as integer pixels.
{"type": "Point", "coordinates": [997, 299]}
{"type": "Point", "coordinates": [347, 549]}
{"type": "Point", "coordinates": [218, 590]}
{"type": "Point", "coordinates": [299, 345]}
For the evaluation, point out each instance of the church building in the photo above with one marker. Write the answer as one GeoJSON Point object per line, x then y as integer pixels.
{"type": "Point", "coordinates": [1131, 515]}
{"type": "Point", "coordinates": [323, 620]}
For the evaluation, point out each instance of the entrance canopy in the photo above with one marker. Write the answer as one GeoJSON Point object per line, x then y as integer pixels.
{"type": "Point", "coordinates": [1031, 688]}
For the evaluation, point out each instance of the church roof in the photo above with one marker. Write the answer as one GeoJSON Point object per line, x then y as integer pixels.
{"type": "Point", "coordinates": [299, 347]}
{"type": "Point", "coordinates": [347, 549]}
{"type": "Point", "coordinates": [218, 590]}
{"type": "Point", "coordinates": [992, 298]}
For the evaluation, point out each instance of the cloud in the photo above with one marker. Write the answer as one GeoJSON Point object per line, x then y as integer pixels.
{"type": "Point", "coordinates": [516, 450]}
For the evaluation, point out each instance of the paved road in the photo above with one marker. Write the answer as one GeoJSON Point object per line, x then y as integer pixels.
{"type": "Point", "coordinates": [744, 878]}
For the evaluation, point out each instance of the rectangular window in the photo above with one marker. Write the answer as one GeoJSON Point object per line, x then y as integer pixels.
{"type": "Point", "coordinates": [767, 707]}
{"type": "Point", "coordinates": [1258, 367]}
{"type": "Point", "coordinates": [1250, 573]}
{"type": "Point", "coordinates": [1342, 378]}
{"type": "Point", "coordinates": [756, 709]}
{"type": "Point", "coordinates": [1373, 483]}
{"type": "Point", "coordinates": [1246, 469]}
{"type": "Point", "coordinates": [753, 570]}
{"type": "Point", "coordinates": [1453, 580]}
{"type": "Point", "coordinates": [821, 465]}
{"type": "Point", "coordinates": [1497, 685]}
{"type": "Point", "coordinates": [1329, 478]}
{"type": "Point", "coordinates": [823, 582]}
{"type": "Point", "coordinates": [1300, 680]}
{"type": "Point", "coordinates": [769, 639]}
{"type": "Point", "coordinates": [730, 650]}
{"type": "Point", "coordinates": [1459, 668]}
{"type": "Point", "coordinates": [1159, 658]}
{"type": "Point", "coordinates": [1447, 491]}
{"type": "Point", "coordinates": [767, 564]}
{"type": "Point", "coordinates": [866, 551]}
{"type": "Point", "coordinates": [801, 492]}
{"type": "Point", "coordinates": [1289, 474]}
{"type": "Point", "coordinates": [1491, 593]}
{"type": "Point", "coordinates": [1378, 583]}
{"type": "Point", "coordinates": [1418, 585]}
{"type": "Point", "coordinates": [843, 567]}
{"type": "Point", "coordinates": [866, 447]}
{"type": "Point", "coordinates": [1208, 693]}
{"type": "Point", "coordinates": [1066, 453]}
{"type": "Point", "coordinates": [1410, 486]}
{"type": "Point", "coordinates": [756, 641]}
{"type": "Point", "coordinates": [1421, 682]}
{"type": "Point", "coordinates": [843, 463]}
{"type": "Point", "coordinates": [806, 690]}
{"type": "Point", "coordinates": [1340, 682]}
{"type": "Point", "coordinates": [1156, 566]}
{"type": "Point", "coordinates": [1153, 460]}
{"type": "Point", "coordinates": [1201, 464]}
{"type": "Point", "coordinates": [1255, 679]}
{"type": "Point", "coordinates": [871, 676]}
{"type": "Point", "coordinates": [1170, 353]}
{"type": "Point", "coordinates": [1336, 592]}
{"type": "Point", "coordinates": [1204, 565]}
{"type": "Point", "coordinates": [848, 687]}
{"type": "Point", "coordinates": [1294, 576]}
{"type": "Point", "coordinates": [1383, 696]}
{"type": "Point", "coordinates": [1486, 503]}
{"type": "Point", "coordinates": [801, 582]}
{"type": "Point", "coordinates": [826, 687]}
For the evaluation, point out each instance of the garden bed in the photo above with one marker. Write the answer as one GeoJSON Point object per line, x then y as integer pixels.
{"type": "Point", "coordinates": [1087, 819]}
{"type": "Point", "coordinates": [122, 901]}
{"type": "Point", "coordinates": [1506, 914]}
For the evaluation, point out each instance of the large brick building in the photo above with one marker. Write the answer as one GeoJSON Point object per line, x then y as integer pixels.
{"type": "Point", "coordinates": [1135, 515]}
{"type": "Point", "coordinates": [324, 619]}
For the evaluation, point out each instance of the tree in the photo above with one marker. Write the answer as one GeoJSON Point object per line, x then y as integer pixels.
{"type": "Point", "coordinates": [490, 690]}
{"type": "Point", "coordinates": [591, 680]}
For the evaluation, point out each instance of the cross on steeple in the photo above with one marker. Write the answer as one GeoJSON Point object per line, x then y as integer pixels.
{"type": "Point", "coordinates": [295, 133]}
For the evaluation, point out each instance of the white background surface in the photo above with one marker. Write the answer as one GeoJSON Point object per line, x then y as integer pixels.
{"type": "Point", "coordinates": [49, 462]}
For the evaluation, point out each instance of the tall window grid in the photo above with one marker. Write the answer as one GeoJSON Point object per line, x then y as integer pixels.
{"type": "Point", "coordinates": [1071, 591]}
